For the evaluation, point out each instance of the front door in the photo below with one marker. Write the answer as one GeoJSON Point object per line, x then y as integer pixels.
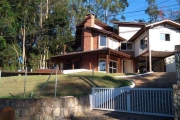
{"type": "Point", "coordinates": [127, 66]}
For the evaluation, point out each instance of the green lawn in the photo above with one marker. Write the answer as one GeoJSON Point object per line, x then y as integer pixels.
{"type": "Point", "coordinates": [67, 85]}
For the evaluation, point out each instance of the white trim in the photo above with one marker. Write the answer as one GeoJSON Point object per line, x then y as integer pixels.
{"type": "Point", "coordinates": [100, 39]}
{"type": "Point", "coordinates": [151, 25]}
{"type": "Point", "coordinates": [74, 71]}
{"type": "Point", "coordinates": [135, 75]}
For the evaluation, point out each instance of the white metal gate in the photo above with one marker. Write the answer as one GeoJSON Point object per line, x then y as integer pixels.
{"type": "Point", "coordinates": [150, 101]}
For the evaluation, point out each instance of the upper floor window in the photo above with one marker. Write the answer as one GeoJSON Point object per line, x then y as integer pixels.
{"type": "Point", "coordinates": [126, 46]}
{"type": "Point", "coordinates": [164, 37]}
{"type": "Point", "coordinates": [103, 41]}
{"type": "Point", "coordinates": [143, 43]}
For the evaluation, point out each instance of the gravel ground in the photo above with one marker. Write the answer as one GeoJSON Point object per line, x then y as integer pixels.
{"type": "Point", "coordinates": [108, 115]}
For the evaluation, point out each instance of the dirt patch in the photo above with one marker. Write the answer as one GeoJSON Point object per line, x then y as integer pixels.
{"type": "Point", "coordinates": [155, 80]}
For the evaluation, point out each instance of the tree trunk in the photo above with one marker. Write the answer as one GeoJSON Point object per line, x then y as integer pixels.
{"type": "Point", "coordinates": [40, 22]}
{"type": "Point", "coordinates": [47, 9]}
{"type": "Point", "coordinates": [40, 66]}
{"type": "Point", "coordinates": [43, 59]}
{"type": "Point", "coordinates": [19, 64]}
{"type": "Point", "coordinates": [23, 32]}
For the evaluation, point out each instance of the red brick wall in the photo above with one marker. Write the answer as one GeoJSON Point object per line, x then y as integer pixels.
{"type": "Point", "coordinates": [87, 40]}
{"type": "Point", "coordinates": [85, 61]}
{"type": "Point", "coordinates": [87, 36]}
{"type": "Point", "coordinates": [102, 56]}
{"type": "Point", "coordinates": [96, 39]}
{"type": "Point", "coordinates": [89, 60]}
{"type": "Point", "coordinates": [95, 62]}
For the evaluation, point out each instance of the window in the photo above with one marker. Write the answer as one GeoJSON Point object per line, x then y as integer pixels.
{"type": "Point", "coordinates": [143, 43]}
{"type": "Point", "coordinates": [103, 41]}
{"type": "Point", "coordinates": [112, 67]}
{"type": "Point", "coordinates": [113, 44]}
{"type": "Point", "coordinates": [102, 65]}
{"type": "Point", "coordinates": [129, 46]}
{"type": "Point", "coordinates": [165, 37]}
{"type": "Point", "coordinates": [126, 46]}
{"type": "Point", "coordinates": [123, 46]}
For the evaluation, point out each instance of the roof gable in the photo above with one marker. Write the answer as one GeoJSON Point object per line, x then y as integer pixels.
{"type": "Point", "coordinates": [152, 25]}
{"type": "Point", "coordinates": [170, 22]}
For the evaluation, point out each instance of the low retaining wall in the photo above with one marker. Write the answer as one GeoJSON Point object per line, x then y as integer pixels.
{"type": "Point", "coordinates": [47, 108]}
{"type": "Point", "coordinates": [176, 98]}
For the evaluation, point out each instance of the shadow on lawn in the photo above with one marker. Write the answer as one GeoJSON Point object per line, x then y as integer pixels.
{"type": "Point", "coordinates": [101, 79]}
{"type": "Point", "coordinates": [64, 88]}
{"type": "Point", "coordinates": [120, 83]}
{"type": "Point", "coordinates": [75, 85]}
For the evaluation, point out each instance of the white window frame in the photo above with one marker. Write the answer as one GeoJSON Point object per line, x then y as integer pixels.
{"type": "Point", "coordinates": [126, 46]}
{"type": "Point", "coordinates": [99, 65]}
{"type": "Point", "coordinates": [112, 67]}
{"type": "Point", "coordinates": [108, 65]}
{"type": "Point", "coordinates": [100, 40]}
{"type": "Point", "coordinates": [165, 36]}
{"type": "Point", "coordinates": [144, 45]}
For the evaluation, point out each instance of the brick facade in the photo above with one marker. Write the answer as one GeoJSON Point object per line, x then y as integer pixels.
{"type": "Point", "coordinates": [90, 45]}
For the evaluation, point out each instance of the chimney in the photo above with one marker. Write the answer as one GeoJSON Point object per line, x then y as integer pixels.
{"type": "Point", "coordinates": [90, 21]}
{"type": "Point", "coordinates": [89, 14]}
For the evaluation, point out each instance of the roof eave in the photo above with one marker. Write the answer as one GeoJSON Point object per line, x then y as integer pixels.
{"type": "Point", "coordinates": [108, 32]}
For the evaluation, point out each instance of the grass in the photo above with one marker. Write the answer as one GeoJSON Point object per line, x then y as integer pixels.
{"type": "Point", "coordinates": [76, 84]}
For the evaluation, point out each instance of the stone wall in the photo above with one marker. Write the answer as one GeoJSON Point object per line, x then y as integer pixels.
{"type": "Point", "coordinates": [176, 87]}
{"type": "Point", "coordinates": [47, 108]}
{"type": "Point", "coordinates": [176, 98]}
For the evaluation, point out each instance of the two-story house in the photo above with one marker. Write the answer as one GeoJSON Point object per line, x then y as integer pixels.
{"type": "Point", "coordinates": [154, 43]}
{"type": "Point", "coordinates": [123, 50]}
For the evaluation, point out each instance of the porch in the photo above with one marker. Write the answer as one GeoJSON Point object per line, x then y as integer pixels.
{"type": "Point", "coordinates": [105, 60]}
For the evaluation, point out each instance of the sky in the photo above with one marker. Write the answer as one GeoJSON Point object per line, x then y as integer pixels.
{"type": "Point", "coordinates": [136, 9]}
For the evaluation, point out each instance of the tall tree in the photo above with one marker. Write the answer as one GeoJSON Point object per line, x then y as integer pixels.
{"type": "Point", "coordinates": [152, 10]}
{"type": "Point", "coordinates": [177, 15]}
{"type": "Point", "coordinates": [105, 10]}
{"type": "Point", "coordinates": [26, 16]}
{"type": "Point", "coordinates": [54, 28]}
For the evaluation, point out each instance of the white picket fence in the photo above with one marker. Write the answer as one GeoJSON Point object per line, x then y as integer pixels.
{"type": "Point", "coordinates": [150, 101]}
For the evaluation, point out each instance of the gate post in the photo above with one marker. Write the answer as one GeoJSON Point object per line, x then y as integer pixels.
{"type": "Point", "coordinates": [92, 102]}
{"type": "Point", "coordinates": [176, 87]}
{"type": "Point", "coordinates": [128, 100]}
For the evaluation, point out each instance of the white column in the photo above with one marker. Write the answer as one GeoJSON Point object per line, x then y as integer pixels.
{"type": "Point", "coordinates": [149, 45]}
